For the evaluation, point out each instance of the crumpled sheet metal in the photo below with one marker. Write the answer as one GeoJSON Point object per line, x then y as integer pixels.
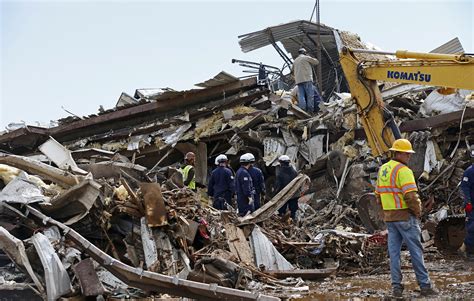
{"type": "Point", "coordinates": [56, 277]}
{"type": "Point", "coordinates": [22, 190]}
{"type": "Point", "coordinates": [272, 149]}
{"type": "Point", "coordinates": [266, 254]}
{"type": "Point", "coordinates": [15, 250]}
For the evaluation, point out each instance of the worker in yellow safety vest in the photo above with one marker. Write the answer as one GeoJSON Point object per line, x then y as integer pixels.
{"type": "Point", "coordinates": [187, 170]}
{"type": "Point", "coordinates": [398, 194]}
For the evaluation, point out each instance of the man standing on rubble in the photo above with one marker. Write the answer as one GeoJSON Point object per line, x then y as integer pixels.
{"type": "Point", "coordinates": [221, 185]}
{"type": "Point", "coordinates": [467, 188]}
{"type": "Point", "coordinates": [397, 191]}
{"type": "Point", "coordinates": [258, 181]}
{"type": "Point", "coordinates": [284, 176]}
{"type": "Point", "coordinates": [187, 171]}
{"type": "Point", "coordinates": [244, 187]}
{"type": "Point", "coordinates": [308, 96]}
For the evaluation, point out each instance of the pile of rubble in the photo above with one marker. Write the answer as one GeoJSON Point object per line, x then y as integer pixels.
{"type": "Point", "coordinates": [96, 205]}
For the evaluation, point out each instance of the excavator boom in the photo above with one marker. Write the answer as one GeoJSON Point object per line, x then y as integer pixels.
{"type": "Point", "coordinates": [430, 69]}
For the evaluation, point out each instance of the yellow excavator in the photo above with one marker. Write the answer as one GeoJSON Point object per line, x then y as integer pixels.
{"type": "Point", "coordinates": [443, 70]}
{"type": "Point", "coordinates": [430, 69]}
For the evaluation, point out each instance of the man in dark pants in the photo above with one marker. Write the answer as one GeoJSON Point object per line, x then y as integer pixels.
{"type": "Point", "coordinates": [244, 187]}
{"type": "Point", "coordinates": [284, 176]}
{"type": "Point", "coordinates": [221, 186]}
{"type": "Point", "coordinates": [258, 181]}
{"type": "Point", "coordinates": [467, 188]}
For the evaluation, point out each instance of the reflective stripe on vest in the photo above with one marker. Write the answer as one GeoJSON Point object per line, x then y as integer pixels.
{"type": "Point", "coordinates": [390, 194]}
{"type": "Point", "coordinates": [185, 172]}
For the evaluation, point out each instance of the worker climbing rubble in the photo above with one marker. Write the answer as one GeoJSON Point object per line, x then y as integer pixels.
{"type": "Point", "coordinates": [308, 96]}
{"type": "Point", "coordinates": [467, 188]}
{"type": "Point", "coordinates": [258, 181]}
{"type": "Point", "coordinates": [244, 187]}
{"type": "Point", "coordinates": [221, 186]}
{"type": "Point", "coordinates": [397, 191]}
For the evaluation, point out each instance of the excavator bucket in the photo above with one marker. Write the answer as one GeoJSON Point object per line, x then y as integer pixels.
{"type": "Point", "coordinates": [450, 233]}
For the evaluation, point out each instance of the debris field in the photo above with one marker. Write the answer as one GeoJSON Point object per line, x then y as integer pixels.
{"type": "Point", "coordinates": [96, 206]}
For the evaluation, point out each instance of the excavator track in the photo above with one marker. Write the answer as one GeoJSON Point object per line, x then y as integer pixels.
{"type": "Point", "coordinates": [450, 233]}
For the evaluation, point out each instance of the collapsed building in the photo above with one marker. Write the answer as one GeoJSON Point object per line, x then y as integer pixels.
{"type": "Point", "coordinates": [96, 206]}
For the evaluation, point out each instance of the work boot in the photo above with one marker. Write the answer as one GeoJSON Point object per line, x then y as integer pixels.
{"type": "Point", "coordinates": [397, 292]}
{"type": "Point", "coordinates": [428, 291]}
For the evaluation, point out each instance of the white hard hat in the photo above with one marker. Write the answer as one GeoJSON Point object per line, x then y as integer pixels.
{"type": "Point", "coordinates": [221, 158]}
{"type": "Point", "coordinates": [284, 158]}
{"type": "Point", "coordinates": [251, 157]}
{"type": "Point", "coordinates": [472, 151]}
{"type": "Point", "coordinates": [245, 158]}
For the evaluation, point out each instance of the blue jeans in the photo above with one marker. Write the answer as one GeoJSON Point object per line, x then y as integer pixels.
{"type": "Point", "coordinates": [408, 231]}
{"type": "Point", "coordinates": [306, 96]}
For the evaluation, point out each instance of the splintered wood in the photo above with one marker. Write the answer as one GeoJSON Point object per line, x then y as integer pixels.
{"type": "Point", "coordinates": [238, 244]}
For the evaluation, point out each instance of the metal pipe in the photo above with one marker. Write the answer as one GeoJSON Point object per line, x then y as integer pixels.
{"type": "Point", "coordinates": [405, 54]}
{"type": "Point", "coordinates": [371, 51]}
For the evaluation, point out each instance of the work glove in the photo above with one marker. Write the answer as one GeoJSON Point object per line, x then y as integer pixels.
{"type": "Point", "coordinates": [251, 201]}
{"type": "Point", "coordinates": [468, 208]}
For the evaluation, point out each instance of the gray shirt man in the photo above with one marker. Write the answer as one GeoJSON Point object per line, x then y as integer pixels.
{"type": "Point", "coordinates": [303, 68]}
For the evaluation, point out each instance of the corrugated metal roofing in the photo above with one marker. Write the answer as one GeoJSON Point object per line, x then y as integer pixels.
{"type": "Point", "coordinates": [452, 47]}
{"type": "Point", "coordinates": [221, 78]}
{"type": "Point", "coordinates": [262, 38]}
{"type": "Point", "coordinates": [297, 34]}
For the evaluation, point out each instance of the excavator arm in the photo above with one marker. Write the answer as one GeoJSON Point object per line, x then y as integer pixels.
{"type": "Point", "coordinates": [431, 69]}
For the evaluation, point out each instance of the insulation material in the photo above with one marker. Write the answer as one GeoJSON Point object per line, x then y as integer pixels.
{"type": "Point", "coordinates": [437, 103]}
{"type": "Point", "coordinates": [8, 173]}
{"type": "Point", "coordinates": [209, 126]}
{"type": "Point", "coordinates": [121, 193]}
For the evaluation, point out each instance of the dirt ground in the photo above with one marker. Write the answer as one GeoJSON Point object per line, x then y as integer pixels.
{"type": "Point", "coordinates": [453, 277]}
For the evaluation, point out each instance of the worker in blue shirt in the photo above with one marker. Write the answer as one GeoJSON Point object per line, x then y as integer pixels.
{"type": "Point", "coordinates": [286, 173]}
{"type": "Point", "coordinates": [467, 188]}
{"type": "Point", "coordinates": [221, 186]}
{"type": "Point", "coordinates": [244, 187]}
{"type": "Point", "coordinates": [258, 181]}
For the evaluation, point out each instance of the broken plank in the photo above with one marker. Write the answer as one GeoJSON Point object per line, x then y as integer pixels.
{"type": "Point", "coordinates": [51, 173]}
{"type": "Point", "coordinates": [238, 244]}
{"type": "Point", "coordinates": [267, 210]}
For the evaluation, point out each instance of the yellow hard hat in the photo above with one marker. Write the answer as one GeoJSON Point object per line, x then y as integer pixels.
{"type": "Point", "coordinates": [403, 146]}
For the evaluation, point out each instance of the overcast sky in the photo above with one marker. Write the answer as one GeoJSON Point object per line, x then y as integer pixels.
{"type": "Point", "coordinates": [82, 54]}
